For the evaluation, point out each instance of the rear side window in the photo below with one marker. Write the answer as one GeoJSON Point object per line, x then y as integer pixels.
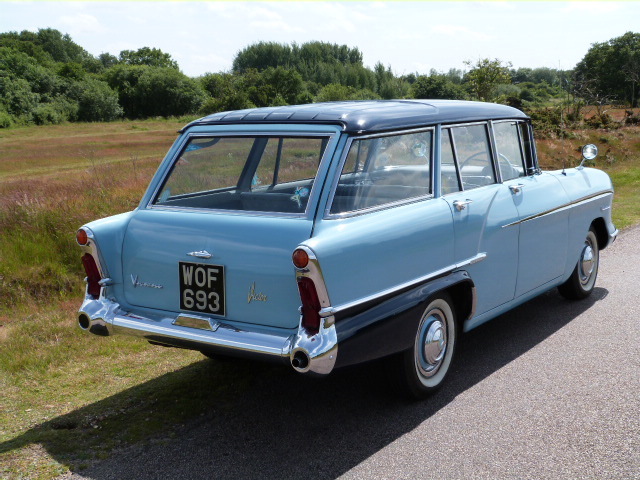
{"type": "Point", "coordinates": [384, 170]}
{"type": "Point", "coordinates": [247, 173]}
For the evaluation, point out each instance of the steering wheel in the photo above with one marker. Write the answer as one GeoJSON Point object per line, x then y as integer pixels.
{"type": "Point", "coordinates": [472, 157]}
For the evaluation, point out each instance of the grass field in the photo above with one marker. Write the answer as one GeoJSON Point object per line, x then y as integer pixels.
{"type": "Point", "coordinates": [68, 398]}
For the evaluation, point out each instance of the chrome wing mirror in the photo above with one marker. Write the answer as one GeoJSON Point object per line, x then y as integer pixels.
{"type": "Point", "coordinates": [589, 152]}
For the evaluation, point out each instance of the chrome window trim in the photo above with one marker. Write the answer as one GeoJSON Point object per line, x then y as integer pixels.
{"type": "Point", "coordinates": [326, 312]}
{"type": "Point", "coordinates": [343, 158]}
{"type": "Point", "coordinates": [497, 174]}
{"type": "Point", "coordinates": [315, 192]}
{"type": "Point", "coordinates": [588, 198]}
{"type": "Point", "coordinates": [376, 208]}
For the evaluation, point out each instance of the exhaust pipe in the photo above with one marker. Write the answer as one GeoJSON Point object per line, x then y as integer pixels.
{"type": "Point", "coordinates": [300, 361]}
{"type": "Point", "coordinates": [84, 321]}
{"type": "Point", "coordinates": [97, 326]}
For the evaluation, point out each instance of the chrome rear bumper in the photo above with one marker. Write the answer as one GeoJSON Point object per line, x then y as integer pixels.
{"type": "Point", "coordinates": [316, 354]}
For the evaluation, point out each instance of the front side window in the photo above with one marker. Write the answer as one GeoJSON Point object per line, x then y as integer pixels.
{"type": "Point", "coordinates": [473, 152]}
{"type": "Point", "coordinates": [247, 173]}
{"type": "Point", "coordinates": [449, 181]}
{"type": "Point", "coordinates": [384, 170]}
{"type": "Point", "coordinates": [510, 151]}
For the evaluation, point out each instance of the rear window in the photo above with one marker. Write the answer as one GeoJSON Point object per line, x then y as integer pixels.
{"type": "Point", "coordinates": [246, 173]}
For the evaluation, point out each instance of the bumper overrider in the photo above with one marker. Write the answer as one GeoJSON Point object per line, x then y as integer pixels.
{"type": "Point", "coordinates": [306, 353]}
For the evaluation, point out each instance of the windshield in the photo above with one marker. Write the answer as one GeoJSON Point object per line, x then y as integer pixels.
{"type": "Point", "coordinates": [247, 173]}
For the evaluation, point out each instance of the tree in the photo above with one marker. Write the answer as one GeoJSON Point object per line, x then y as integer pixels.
{"type": "Point", "coordinates": [153, 57]}
{"type": "Point", "coordinates": [108, 60]}
{"type": "Point", "coordinates": [97, 102]}
{"type": "Point", "coordinates": [612, 69]}
{"type": "Point", "coordinates": [60, 46]}
{"type": "Point", "coordinates": [261, 56]}
{"type": "Point", "coordinates": [437, 86]}
{"type": "Point", "coordinates": [167, 92]}
{"type": "Point", "coordinates": [485, 75]}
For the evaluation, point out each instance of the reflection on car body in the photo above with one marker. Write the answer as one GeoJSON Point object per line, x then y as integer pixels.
{"type": "Point", "coordinates": [408, 223]}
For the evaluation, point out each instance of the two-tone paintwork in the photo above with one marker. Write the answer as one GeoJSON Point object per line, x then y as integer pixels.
{"type": "Point", "coordinates": [510, 242]}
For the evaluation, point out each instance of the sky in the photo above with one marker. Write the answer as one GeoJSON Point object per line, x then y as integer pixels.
{"type": "Point", "coordinates": [409, 36]}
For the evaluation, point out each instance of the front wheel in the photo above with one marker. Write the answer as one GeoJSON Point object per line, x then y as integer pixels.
{"type": "Point", "coordinates": [424, 367]}
{"type": "Point", "coordinates": [583, 279]}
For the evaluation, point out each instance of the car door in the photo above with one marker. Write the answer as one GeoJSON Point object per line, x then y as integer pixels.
{"type": "Point", "coordinates": [480, 208]}
{"type": "Point", "coordinates": [543, 227]}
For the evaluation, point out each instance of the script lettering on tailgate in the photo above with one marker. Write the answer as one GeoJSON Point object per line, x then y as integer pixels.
{"type": "Point", "coordinates": [202, 288]}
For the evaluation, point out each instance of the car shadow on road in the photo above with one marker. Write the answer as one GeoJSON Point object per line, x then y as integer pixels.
{"type": "Point", "coordinates": [278, 424]}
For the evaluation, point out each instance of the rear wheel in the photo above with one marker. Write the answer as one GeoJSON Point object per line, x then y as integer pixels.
{"type": "Point", "coordinates": [424, 367]}
{"type": "Point", "coordinates": [583, 279]}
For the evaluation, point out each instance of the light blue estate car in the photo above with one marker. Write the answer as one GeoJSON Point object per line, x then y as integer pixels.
{"type": "Point", "coordinates": [330, 234]}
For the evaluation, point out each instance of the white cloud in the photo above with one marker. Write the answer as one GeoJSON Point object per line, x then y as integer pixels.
{"type": "Point", "coordinates": [459, 31]}
{"type": "Point", "coordinates": [592, 8]}
{"type": "Point", "coordinates": [81, 23]}
{"type": "Point", "coordinates": [264, 13]}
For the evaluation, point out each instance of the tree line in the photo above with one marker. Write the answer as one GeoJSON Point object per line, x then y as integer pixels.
{"type": "Point", "coordinates": [46, 78]}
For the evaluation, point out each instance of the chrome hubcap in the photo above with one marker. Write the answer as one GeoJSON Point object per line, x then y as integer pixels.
{"type": "Point", "coordinates": [587, 263]}
{"type": "Point", "coordinates": [434, 344]}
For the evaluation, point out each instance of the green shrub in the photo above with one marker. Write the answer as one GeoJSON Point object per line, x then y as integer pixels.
{"type": "Point", "coordinates": [5, 119]}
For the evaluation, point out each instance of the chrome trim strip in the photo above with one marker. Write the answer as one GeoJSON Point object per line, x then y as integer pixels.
{"type": "Point", "coordinates": [314, 272]}
{"type": "Point", "coordinates": [379, 208]}
{"type": "Point", "coordinates": [326, 312]}
{"type": "Point", "coordinates": [92, 248]}
{"type": "Point", "coordinates": [219, 211]}
{"type": "Point", "coordinates": [588, 198]}
{"type": "Point", "coordinates": [393, 133]}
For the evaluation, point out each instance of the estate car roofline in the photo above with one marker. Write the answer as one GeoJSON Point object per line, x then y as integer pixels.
{"type": "Point", "coordinates": [367, 116]}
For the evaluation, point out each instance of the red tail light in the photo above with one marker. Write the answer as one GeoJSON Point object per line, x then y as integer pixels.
{"type": "Point", "coordinates": [310, 305]}
{"type": "Point", "coordinates": [93, 275]}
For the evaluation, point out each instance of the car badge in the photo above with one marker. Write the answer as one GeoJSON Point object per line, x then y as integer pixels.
{"type": "Point", "coordinates": [200, 254]}
{"type": "Point", "coordinates": [253, 296]}
{"type": "Point", "coordinates": [137, 283]}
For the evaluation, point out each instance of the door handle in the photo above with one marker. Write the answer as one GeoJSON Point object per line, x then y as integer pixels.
{"type": "Point", "coordinates": [516, 188]}
{"type": "Point", "coordinates": [462, 204]}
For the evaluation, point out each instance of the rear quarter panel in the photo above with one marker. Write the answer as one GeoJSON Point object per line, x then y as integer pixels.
{"type": "Point", "coordinates": [365, 254]}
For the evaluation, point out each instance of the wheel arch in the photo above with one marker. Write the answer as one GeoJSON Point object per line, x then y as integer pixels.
{"type": "Point", "coordinates": [388, 326]}
{"type": "Point", "coordinates": [463, 298]}
{"type": "Point", "coordinates": [602, 234]}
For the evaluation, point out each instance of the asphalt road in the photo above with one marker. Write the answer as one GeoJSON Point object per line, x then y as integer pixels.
{"type": "Point", "coordinates": [549, 390]}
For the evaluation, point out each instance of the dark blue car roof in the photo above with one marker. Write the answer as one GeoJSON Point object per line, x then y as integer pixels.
{"type": "Point", "coordinates": [368, 116]}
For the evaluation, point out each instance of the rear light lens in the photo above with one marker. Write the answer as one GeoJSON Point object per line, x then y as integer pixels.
{"type": "Point", "coordinates": [81, 237]}
{"type": "Point", "coordinates": [310, 305]}
{"type": "Point", "coordinates": [300, 258]}
{"type": "Point", "coordinates": [93, 275]}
